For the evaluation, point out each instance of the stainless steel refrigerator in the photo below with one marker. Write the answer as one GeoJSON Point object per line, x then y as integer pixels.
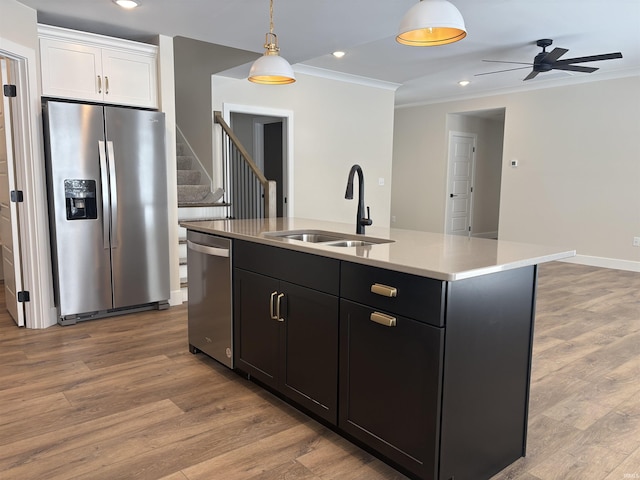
{"type": "Point", "coordinates": [107, 191]}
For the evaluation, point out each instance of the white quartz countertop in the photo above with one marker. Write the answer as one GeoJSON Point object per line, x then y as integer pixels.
{"type": "Point", "coordinates": [433, 255]}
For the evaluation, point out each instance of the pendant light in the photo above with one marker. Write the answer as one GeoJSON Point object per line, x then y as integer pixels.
{"type": "Point", "coordinates": [431, 23]}
{"type": "Point", "coordinates": [271, 68]}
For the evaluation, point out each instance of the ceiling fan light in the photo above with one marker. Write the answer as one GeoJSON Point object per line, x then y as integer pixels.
{"type": "Point", "coordinates": [271, 69]}
{"type": "Point", "coordinates": [431, 23]}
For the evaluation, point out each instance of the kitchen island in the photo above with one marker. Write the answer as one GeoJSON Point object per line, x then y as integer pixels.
{"type": "Point", "coordinates": [414, 345]}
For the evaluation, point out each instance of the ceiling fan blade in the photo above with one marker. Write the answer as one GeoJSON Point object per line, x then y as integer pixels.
{"type": "Point", "coordinates": [533, 74]}
{"type": "Point", "coordinates": [575, 68]}
{"type": "Point", "coordinates": [500, 61]}
{"type": "Point", "coordinates": [555, 54]}
{"type": "Point", "coordinates": [500, 71]}
{"type": "Point", "coordinates": [591, 58]}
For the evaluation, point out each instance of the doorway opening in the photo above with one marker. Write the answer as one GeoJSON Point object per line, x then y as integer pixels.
{"type": "Point", "coordinates": [267, 136]}
{"type": "Point", "coordinates": [474, 172]}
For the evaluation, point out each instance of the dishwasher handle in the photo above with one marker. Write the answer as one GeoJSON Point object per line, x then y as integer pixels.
{"type": "Point", "coordinates": [216, 252]}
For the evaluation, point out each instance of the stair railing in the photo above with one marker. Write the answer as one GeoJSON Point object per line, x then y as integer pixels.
{"type": "Point", "coordinates": [251, 194]}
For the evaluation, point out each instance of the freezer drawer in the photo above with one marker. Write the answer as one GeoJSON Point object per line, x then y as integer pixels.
{"type": "Point", "coordinates": [210, 316]}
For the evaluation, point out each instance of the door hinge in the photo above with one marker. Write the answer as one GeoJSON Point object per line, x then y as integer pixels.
{"type": "Point", "coordinates": [474, 149]}
{"type": "Point", "coordinates": [471, 189]}
{"type": "Point", "coordinates": [23, 296]}
{"type": "Point", "coordinates": [10, 90]}
{"type": "Point", "coordinates": [17, 196]}
{"type": "Point", "coordinates": [469, 227]}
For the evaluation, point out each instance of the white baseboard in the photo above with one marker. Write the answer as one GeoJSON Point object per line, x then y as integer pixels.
{"type": "Point", "coordinates": [176, 298]}
{"type": "Point", "coordinates": [486, 234]}
{"type": "Point", "coordinates": [604, 262]}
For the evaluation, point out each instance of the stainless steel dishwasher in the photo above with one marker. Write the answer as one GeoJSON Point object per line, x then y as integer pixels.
{"type": "Point", "coordinates": [210, 315]}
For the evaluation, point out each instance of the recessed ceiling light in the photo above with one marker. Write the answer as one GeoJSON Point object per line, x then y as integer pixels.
{"type": "Point", "coordinates": [338, 54]}
{"type": "Point", "coordinates": [464, 83]}
{"type": "Point", "coordinates": [127, 3]}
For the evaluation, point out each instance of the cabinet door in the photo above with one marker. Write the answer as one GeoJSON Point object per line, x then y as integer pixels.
{"type": "Point", "coordinates": [390, 384]}
{"type": "Point", "coordinates": [70, 70]}
{"type": "Point", "coordinates": [129, 78]}
{"type": "Point", "coordinates": [310, 353]}
{"type": "Point", "coordinates": [256, 334]}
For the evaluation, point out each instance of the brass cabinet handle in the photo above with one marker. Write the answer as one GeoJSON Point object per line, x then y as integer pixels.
{"type": "Point", "coordinates": [106, 85]}
{"type": "Point", "coordinates": [382, 319]}
{"type": "Point", "coordinates": [273, 315]}
{"type": "Point", "coordinates": [384, 290]}
{"type": "Point", "coordinates": [99, 84]}
{"type": "Point", "coordinates": [278, 317]}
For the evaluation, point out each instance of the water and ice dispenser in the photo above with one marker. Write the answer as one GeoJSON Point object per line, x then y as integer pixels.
{"type": "Point", "coordinates": [80, 199]}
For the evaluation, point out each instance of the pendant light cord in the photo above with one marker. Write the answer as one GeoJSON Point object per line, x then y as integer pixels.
{"type": "Point", "coordinates": [271, 16]}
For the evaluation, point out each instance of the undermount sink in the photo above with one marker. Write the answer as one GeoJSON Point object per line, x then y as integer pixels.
{"type": "Point", "coordinates": [312, 237]}
{"type": "Point", "coordinates": [351, 243]}
{"type": "Point", "coordinates": [329, 239]}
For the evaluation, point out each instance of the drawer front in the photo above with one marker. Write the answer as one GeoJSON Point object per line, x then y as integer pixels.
{"type": "Point", "coordinates": [409, 295]}
{"type": "Point", "coordinates": [313, 271]}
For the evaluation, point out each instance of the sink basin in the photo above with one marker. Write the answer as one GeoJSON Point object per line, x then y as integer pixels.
{"type": "Point", "coordinates": [331, 239]}
{"type": "Point", "coordinates": [312, 237]}
{"type": "Point", "coordinates": [350, 243]}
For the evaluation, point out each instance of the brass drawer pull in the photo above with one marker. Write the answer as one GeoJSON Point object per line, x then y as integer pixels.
{"type": "Point", "coordinates": [384, 290]}
{"type": "Point", "coordinates": [382, 319]}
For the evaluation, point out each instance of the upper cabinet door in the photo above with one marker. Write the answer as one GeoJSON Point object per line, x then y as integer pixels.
{"type": "Point", "coordinates": [71, 70]}
{"type": "Point", "coordinates": [95, 68]}
{"type": "Point", "coordinates": [129, 78]}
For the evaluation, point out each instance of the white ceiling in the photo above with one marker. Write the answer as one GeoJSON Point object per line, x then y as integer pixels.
{"type": "Point", "coordinates": [309, 30]}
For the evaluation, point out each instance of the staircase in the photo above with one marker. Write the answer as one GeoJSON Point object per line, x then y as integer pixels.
{"type": "Point", "coordinates": [252, 194]}
{"type": "Point", "coordinates": [197, 200]}
{"type": "Point", "coordinates": [194, 185]}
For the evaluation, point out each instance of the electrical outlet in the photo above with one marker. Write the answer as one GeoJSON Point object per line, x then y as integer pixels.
{"type": "Point", "coordinates": [381, 181]}
{"type": "Point", "coordinates": [636, 241]}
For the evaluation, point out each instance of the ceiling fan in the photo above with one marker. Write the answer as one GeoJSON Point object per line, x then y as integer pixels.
{"type": "Point", "coordinates": [546, 61]}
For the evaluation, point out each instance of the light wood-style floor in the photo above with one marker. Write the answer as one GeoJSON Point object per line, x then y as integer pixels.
{"type": "Point", "coordinates": [122, 398]}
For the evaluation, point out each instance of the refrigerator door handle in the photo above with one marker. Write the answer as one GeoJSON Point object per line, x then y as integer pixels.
{"type": "Point", "coordinates": [105, 197]}
{"type": "Point", "coordinates": [114, 195]}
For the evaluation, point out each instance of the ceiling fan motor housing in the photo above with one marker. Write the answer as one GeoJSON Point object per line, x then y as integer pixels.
{"type": "Point", "coordinates": [539, 64]}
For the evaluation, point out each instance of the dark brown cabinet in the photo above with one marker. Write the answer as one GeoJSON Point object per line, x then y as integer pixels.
{"type": "Point", "coordinates": [431, 375]}
{"type": "Point", "coordinates": [391, 364]}
{"type": "Point", "coordinates": [390, 379]}
{"type": "Point", "coordinates": [287, 333]}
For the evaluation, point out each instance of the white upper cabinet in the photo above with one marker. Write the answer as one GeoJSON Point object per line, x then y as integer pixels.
{"type": "Point", "coordinates": [84, 66]}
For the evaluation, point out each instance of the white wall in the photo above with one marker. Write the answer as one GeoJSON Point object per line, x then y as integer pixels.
{"type": "Point", "coordinates": [336, 124]}
{"type": "Point", "coordinates": [578, 183]}
{"type": "Point", "coordinates": [168, 106]}
{"type": "Point", "coordinates": [17, 24]}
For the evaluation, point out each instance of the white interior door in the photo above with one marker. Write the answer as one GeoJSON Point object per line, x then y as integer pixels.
{"type": "Point", "coordinates": [9, 233]}
{"type": "Point", "coordinates": [460, 183]}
